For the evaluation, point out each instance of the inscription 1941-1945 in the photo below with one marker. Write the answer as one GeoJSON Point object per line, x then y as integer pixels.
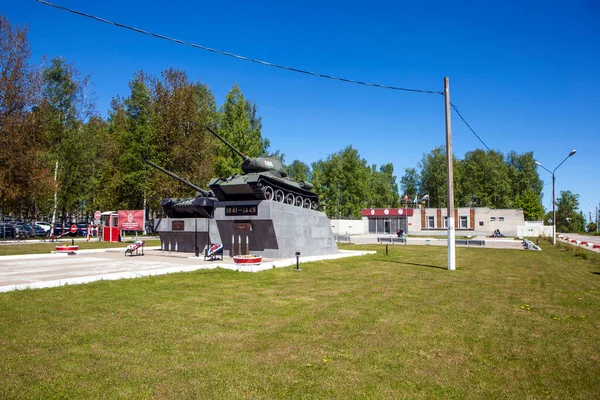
{"type": "Point", "coordinates": [241, 210]}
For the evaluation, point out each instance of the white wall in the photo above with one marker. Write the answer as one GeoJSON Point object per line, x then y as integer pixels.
{"type": "Point", "coordinates": [534, 229]}
{"type": "Point", "coordinates": [347, 226]}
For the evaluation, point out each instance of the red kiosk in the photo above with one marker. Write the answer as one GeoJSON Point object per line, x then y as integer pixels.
{"type": "Point", "coordinates": [110, 226]}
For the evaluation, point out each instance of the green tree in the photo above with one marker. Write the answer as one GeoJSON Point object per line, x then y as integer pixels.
{"type": "Point", "coordinates": [526, 185]}
{"type": "Point", "coordinates": [485, 180]}
{"type": "Point", "coordinates": [108, 180]}
{"type": "Point", "coordinates": [567, 217]}
{"type": "Point", "coordinates": [342, 183]}
{"type": "Point", "coordinates": [181, 112]}
{"type": "Point", "coordinates": [529, 201]}
{"type": "Point", "coordinates": [433, 177]}
{"type": "Point", "coordinates": [241, 127]}
{"type": "Point", "coordinates": [136, 143]}
{"type": "Point", "coordinates": [383, 187]}
{"type": "Point", "coordinates": [25, 181]}
{"type": "Point", "coordinates": [102, 165]}
{"type": "Point", "coordinates": [67, 105]}
{"type": "Point", "coordinates": [409, 183]}
{"type": "Point", "coordinates": [299, 171]}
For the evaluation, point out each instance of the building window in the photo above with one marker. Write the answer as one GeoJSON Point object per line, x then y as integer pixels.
{"type": "Point", "coordinates": [492, 219]}
{"type": "Point", "coordinates": [430, 223]}
{"type": "Point", "coordinates": [480, 223]}
{"type": "Point", "coordinates": [500, 218]}
{"type": "Point", "coordinates": [446, 222]}
{"type": "Point", "coordinates": [463, 222]}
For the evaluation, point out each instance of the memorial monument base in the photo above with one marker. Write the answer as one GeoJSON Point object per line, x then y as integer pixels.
{"type": "Point", "coordinates": [267, 228]}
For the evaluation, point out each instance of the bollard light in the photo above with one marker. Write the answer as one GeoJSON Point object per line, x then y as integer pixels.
{"type": "Point", "coordinates": [297, 260]}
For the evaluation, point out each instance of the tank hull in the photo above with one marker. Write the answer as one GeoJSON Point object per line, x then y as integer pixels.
{"type": "Point", "coordinates": [263, 187]}
{"type": "Point", "coordinates": [198, 207]}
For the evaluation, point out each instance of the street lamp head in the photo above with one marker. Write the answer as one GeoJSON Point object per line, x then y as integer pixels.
{"type": "Point", "coordinates": [572, 152]}
{"type": "Point", "coordinates": [538, 163]}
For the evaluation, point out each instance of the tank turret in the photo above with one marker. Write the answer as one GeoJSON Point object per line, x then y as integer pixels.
{"type": "Point", "coordinates": [264, 178]}
{"type": "Point", "coordinates": [256, 164]}
{"type": "Point", "coordinates": [200, 207]}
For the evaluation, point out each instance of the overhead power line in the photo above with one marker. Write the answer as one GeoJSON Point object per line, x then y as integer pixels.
{"type": "Point", "coordinates": [197, 46]}
{"type": "Point", "coordinates": [469, 126]}
{"type": "Point", "coordinates": [266, 63]}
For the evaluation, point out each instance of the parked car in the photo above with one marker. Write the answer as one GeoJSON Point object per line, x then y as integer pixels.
{"type": "Point", "coordinates": [82, 228]}
{"type": "Point", "coordinates": [7, 231]}
{"type": "Point", "coordinates": [35, 231]}
{"type": "Point", "coordinates": [46, 226]}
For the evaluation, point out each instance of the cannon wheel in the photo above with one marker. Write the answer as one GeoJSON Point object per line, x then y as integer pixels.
{"type": "Point", "coordinates": [307, 204]}
{"type": "Point", "coordinates": [269, 193]}
{"type": "Point", "coordinates": [279, 196]}
{"type": "Point", "coordinates": [289, 199]}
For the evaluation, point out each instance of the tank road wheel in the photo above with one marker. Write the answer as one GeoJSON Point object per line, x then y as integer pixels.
{"type": "Point", "coordinates": [269, 192]}
{"type": "Point", "coordinates": [289, 199]}
{"type": "Point", "coordinates": [299, 201]}
{"type": "Point", "coordinates": [279, 196]}
{"type": "Point", "coordinates": [315, 205]}
{"type": "Point", "coordinates": [307, 204]}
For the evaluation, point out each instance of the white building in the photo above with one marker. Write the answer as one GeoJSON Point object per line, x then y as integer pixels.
{"type": "Point", "coordinates": [478, 221]}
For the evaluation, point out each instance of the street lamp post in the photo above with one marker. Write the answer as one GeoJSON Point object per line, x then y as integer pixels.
{"type": "Point", "coordinates": [553, 196]}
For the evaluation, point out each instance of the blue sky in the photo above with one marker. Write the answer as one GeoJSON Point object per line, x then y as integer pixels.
{"type": "Point", "coordinates": [523, 74]}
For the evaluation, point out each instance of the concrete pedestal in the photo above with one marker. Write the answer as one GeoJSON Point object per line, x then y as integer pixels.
{"type": "Point", "coordinates": [267, 228]}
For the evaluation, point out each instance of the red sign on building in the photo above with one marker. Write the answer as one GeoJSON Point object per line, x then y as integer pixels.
{"type": "Point", "coordinates": [131, 220]}
{"type": "Point", "coordinates": [387, 212]}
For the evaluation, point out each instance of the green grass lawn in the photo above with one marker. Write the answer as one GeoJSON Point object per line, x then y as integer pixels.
{"type": "Point", "coordinates": [506, 324]}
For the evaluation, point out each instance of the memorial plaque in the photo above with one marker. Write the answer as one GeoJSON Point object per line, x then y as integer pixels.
{"type": "Point", "coordinates": [241, 210]}
{"type": "Point", "coordinates": [178, 225]}
{"type": "Point", "coordinates": [244, 227]}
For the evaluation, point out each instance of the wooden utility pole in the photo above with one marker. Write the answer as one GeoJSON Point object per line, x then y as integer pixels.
{"type": "Point", "coordinates": [451, 231]}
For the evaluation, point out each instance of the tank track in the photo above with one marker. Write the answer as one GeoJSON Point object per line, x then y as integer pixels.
{"type": "Point", "coordinates": [260, 186]}
{"type": "Point", "coordinates": [258, 192]}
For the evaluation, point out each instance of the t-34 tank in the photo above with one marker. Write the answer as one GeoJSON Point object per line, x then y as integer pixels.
{"type": "Point", "coordinates": [202, 206]}
{"type": "Point", "coordinates": [264, 178]}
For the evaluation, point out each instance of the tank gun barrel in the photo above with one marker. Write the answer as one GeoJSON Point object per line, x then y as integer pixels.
{"type": "Point", "coordinates": [239, 153]}
{"type": "Point", "coordinates": [204, 193]}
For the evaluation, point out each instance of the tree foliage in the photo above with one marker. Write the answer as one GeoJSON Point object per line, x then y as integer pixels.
{"type": "Point", "coordinates": [567, 217]}
{"type": "Point", "coordinates": [241, 127]}
{"type": "Point", "coordinates": [433, 177]}
{"type": "Point", "coordinates": [299, 171]}
{"type": "Point", "coordinates": [24, 174]}
{"type": "Point", "coordinates": [346, 184]}
{"type": "Point", "coordinates": [66, 107]}
{"type": "Point", "coordinates": [383, 187]}
{"type": "Point", "coordinates": [409, 183]}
